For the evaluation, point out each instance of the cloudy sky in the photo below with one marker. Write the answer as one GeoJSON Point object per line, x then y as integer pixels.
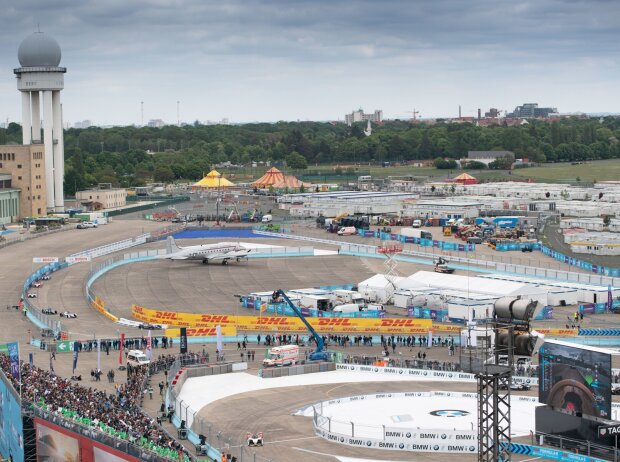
{"type": "Point", "coordinates": [267, 60]}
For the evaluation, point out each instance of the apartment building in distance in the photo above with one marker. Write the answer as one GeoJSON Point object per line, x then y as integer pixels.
{"type": "Point", "coordinates": [26, 166]}
{"type": "Point", "coordinates": [361, 116]}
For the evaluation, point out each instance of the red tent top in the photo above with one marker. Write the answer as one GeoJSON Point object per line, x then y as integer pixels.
{"type": "Point", "coordinates": [271, 177]}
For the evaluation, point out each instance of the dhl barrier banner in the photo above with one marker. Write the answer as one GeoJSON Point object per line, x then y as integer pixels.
{"type": "Point", "coordinates": [99, 305]}
{"type": "Point", "coordinates": [558, 332]}
{"type": "Point", "coordinates": [227, 331]}
{"type": "Point", "coordinates": [181, 319]}
{"type": "Point", "coordinates": [450, 329]}
{"type": "Point", "coordinates": [284, 323]}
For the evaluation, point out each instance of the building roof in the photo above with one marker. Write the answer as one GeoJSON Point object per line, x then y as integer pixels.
{"type": "Point", "coordinates": [39, 50]}
{"type": "Point", "coordinates": [488, 154]}
{"type": "Point", "coordinates": [213, 179]}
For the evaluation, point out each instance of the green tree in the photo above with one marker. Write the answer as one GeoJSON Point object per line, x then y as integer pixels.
{"type": "Point", "coordinates": [163, 174]}
{"type": "Point", "coordinates": [296, 161]}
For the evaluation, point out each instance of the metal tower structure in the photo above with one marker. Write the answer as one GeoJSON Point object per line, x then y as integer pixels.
{"type": "Point", "coordinates": [390, 249]}
{"type": "Point", "coordinates": [494, 377]}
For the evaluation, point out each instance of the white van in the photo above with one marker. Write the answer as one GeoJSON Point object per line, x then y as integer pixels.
{"type": "Point", "coordinates": [286, 355]}
{"type": "Point", "coordinates": [417, 224]}
{"type": "Point", "coordinates": [137, 358]}
{"type": "Point", "coordinates": [347, 231]}
{"type": "Point", "coordinates": [267, 219]}
{"type": "Point", "coordinates": [348, 308]}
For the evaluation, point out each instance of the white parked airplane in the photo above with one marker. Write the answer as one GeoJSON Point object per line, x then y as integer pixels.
{"type": "Point", "coordinates": [223, 251]}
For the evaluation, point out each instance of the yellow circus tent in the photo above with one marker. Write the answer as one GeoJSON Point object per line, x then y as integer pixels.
{"type": "Point", "coordinates": [213, 180]}
{"type": "Point", "coordinates": [290, 182]}
{"type": "Point", "coordinates": [270, 178]}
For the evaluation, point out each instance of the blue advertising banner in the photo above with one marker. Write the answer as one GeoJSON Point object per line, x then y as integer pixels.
{"type": "Point", "coordinates": [14, 358]}
{"type": "Point", "coordinates": [11, 428]}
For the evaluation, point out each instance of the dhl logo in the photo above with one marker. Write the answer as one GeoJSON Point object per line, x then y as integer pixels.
{"type": "Point", "coordinates": [334, 322]}
{"type": "Point", "coordinates": [138, 309]}
{"type": "Point", "coordinates": [272, 321]}
{"type": "Point", "coordinates": [165, 315]}
{"type": "Point", "coordinates": [399, 323]}
{"type": "Point", "coordinates": [201, 332]}
{"type": "Point", "coordinates": [225, 319]}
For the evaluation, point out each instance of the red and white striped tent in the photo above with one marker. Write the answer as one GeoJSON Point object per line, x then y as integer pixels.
{"type": "Point", "coordinates": [271, 177]}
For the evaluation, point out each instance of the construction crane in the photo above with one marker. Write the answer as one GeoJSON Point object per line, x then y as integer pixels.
{"type": "Point", "coordinates": [320, 354]}
{"type": "Point", "coordinates": [414, 114]}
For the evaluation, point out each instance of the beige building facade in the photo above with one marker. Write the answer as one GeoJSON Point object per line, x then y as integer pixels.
{"type": "Point", "coordinates": [99, 199]}
{"type": "Point", "coordinates": [26, 165]}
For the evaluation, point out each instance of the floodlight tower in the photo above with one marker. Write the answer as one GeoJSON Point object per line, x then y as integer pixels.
{"type": "Point", "coordinates": [40, 80]}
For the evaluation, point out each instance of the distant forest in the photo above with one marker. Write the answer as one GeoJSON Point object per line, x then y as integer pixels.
{"type": "Point", "coordinates": [131, 156]}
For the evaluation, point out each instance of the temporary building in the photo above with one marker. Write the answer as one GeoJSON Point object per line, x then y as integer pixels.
{"type": "Point", "coordinates": [380, 287]}
{"type": "Point", "coordinates": [270, 178]}
{"type": "Point", "coordinates": [213, 180]}
{"type": "Point", "coordinates": [465, 178]}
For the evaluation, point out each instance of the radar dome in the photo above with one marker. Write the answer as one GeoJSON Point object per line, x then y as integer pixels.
{"type": "Point", "coordinates": [39, 50]}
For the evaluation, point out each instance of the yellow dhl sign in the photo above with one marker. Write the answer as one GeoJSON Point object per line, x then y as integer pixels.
{"type": "Point", "coordinates": [284, 323]}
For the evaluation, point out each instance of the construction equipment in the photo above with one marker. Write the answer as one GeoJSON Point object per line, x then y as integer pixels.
{"type": "Point", "coordinates": [441, 266]}
{"type": "Point", "coordinates": [320, 354]}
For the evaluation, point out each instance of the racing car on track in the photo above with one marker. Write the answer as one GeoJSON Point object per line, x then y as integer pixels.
{"type": "Point", "coordinates": [254, 439]}
{"type": "Point", "coordinates": [49, 311]}
{"type": "Point", "coordinates": [46, 277]}
{"type": "Point", "coordinates": [32, 295]}
{"type": "Point", "coordinates": [147, 326]}
{"type": "Point", "coordinates": [37, 284]}
{"type": "Point", "coordinates": [516, 386]}
{"type": "Point", "coordinates": [67, 314]}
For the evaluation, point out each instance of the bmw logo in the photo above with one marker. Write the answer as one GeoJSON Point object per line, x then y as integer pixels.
{"type": "Point", "coordinates": [341, 439]}
{"type": "Point", "coordinates": [368, 443]}
{"type": "Point", "coordinates": [424, 373]}
{"type": "Point", "coordinates": [376, 369]}
{"type": "Point", "coordinates": [352, 368]}
{"type": "Point", "coordinates": [401, 446]}
{"type": "Point", "coordinates": [449, 413]}
{"type": "Point", "coordinates": [443, 436]}
{"type": "Point", "coordinates": [389, 395]}
{"type": "Point", "coordinates": [408, 435]}
{"type": "Point", "coordinates": [472, 448]}
{"type": "Point", "coordinates": [450, 375]}
{"type": "Point", "coordinates": [400, 371]}
{"type": "Point", "coordinates": [527, 380]}
{"type": "Point", "coordinates": [436, 447]}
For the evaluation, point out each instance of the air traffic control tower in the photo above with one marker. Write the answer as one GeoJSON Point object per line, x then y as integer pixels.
{"type": "Point", "coordinates": [40, 80]}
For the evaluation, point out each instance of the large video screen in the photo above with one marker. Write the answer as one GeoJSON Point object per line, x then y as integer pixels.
{"type": "Point", "coordinates": [54, 446]}
{"type": "Point", "coordinates": [575, 378]}
{"type": "Point", "coordinates": [11, 428]}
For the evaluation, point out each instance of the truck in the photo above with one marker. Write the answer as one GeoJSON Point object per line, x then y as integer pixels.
{"type": "Point", "coordinates": [267, 218]}
{"type": "Point", "coordinates": [347, 231]}
{"type": "Point", "coordinates": [319, 354]}
{"type": "Point", "coordinates": [414, 232]}
{"type": "Point", "coordinates": [348, 296]}
{"type": "Point", "coordinates": [348, 308]}
{"type": "Point", "coordinates": [279, 356]}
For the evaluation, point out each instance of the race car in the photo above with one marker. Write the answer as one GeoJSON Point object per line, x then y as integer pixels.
{"type": "Point", "coordinates": [46, 277]}
{"type": "Point", "coordinates": [37, 284]}
{"type": "Point", "coordinates": [49, 311]}
{"type": "Point", "coordinates": [32, 295]}
{"type": "Point", "coordinates": [254, 439]}
{"type": "Point", "coordinates": [147, 326]}
{"type": "Point", "coordinates": [67, 314]}
{"type": "Point", "coordinates": [516, 386]}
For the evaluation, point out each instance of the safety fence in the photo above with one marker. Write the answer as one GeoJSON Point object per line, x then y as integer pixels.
{"type": "Point", "coordinates": [418, 438]}
{"type": "Point", "coordinates": [49, 326]}
{"type": "Point", "coordinates": [216, 439]}
{"type": "Point", "coordinates": [14, 238]}
{"type": "Point", "coordinates": [584, 265]}
{"type": "Point", "coordinates": [493, 263]}
{"type": "Point", "coordinates": [585, 448]}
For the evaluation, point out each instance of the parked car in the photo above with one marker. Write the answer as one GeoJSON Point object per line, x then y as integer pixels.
{"type": "Point", "coordinates": [86, 224]}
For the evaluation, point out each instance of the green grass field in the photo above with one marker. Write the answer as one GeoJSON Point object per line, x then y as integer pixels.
{"type": "Point", "coordinates": [590, 172]}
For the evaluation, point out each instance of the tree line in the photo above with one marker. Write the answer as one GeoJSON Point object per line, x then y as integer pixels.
{"type": "Point", "coordinates": [132, 156]}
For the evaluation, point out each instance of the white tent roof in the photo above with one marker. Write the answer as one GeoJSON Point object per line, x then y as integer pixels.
{"type": "Point", "coordinates": [473, 284]}
{"type": "Point", "coordinates": [571, 285]}
{"type": "Point", "coordinates": [379, 281]}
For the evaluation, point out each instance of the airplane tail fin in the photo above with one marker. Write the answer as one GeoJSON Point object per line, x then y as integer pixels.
{"type": "Point", "coordinates": [171, 246]}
